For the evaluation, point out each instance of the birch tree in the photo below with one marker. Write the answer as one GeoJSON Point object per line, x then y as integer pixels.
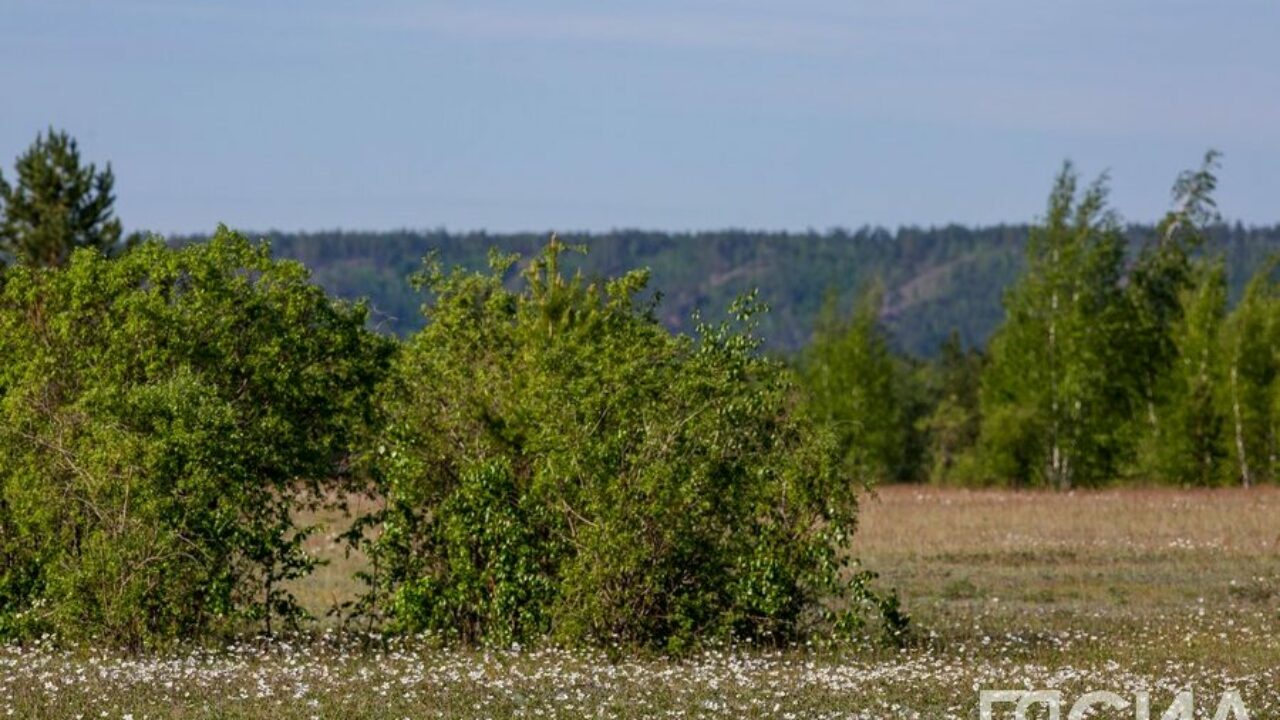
{"type": "Point", "coordinates": [1053, 400]}
{"type": "Point", "coordinates": [1249, 384]}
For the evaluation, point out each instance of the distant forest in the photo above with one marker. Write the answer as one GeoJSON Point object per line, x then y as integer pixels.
{"type": "Point", "coordinates": [934, 280]}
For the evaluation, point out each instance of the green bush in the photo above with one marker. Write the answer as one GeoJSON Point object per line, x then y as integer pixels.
{"type": "Point", "coordinates": [557, 465]}
{"type": "Point", "coordinates": [162, 417]}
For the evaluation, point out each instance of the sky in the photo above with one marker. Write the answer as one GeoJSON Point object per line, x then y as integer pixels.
{"type": "Point", "coordinates": [663, 114]}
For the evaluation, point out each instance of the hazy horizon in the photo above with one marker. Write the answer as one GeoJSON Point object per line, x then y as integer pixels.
{"type": "Point", "coordinates": [688, 116]}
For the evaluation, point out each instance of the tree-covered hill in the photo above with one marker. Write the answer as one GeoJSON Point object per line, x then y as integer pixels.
{"type": "Point", "coordinates": [935, 279]}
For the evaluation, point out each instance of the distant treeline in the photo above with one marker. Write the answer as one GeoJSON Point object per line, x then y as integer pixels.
{"type": "Point", "coordinates": [935, 280]}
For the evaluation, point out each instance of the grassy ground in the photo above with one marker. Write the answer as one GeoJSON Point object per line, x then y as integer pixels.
{"type": "Point", "coordinates": [1155, 590]}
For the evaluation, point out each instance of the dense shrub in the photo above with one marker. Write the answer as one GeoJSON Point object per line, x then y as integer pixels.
{"type": "Point", "coordinates": [162, 415]}
{"type": "Point", "coordinates": [557, 464]}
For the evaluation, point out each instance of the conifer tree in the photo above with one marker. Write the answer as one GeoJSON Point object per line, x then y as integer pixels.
{"type": "Point", "coordinates": [56, 205]}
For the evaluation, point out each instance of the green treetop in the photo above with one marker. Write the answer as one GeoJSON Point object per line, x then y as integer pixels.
{"type": "Point", "coordinates": [1055, 394]}
{"type": "Point", "coordinates": [56, 205]}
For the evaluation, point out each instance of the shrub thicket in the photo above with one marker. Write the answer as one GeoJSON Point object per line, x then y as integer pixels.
{"type": "Point", "coordinates": [552, 462]}
{"type": "Point", "coordinates": [162, 416]}
{"type": "Point", "coordinates": [557, 464]}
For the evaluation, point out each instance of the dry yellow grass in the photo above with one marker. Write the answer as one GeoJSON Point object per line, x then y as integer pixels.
{"type": "Point", "coordinates": [905, 521]}
{"type": "Point", "coordinates": [1112, 563]}
{"type": "Point", "coordinates": [333, 582]}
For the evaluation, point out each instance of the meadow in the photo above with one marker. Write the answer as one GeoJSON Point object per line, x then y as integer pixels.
{"type": "Point", "coordinates": [1125, 590]}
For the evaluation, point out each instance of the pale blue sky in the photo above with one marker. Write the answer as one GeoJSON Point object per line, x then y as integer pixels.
{"type": "Point", "coordinates": [667, 114]}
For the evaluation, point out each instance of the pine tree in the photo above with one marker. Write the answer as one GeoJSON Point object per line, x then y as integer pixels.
{"type": "Point", "coordinates": [56, 205]}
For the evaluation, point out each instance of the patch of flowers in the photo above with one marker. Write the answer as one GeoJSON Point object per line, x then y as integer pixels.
{"type": "Point", "coordinates": [333, 676]}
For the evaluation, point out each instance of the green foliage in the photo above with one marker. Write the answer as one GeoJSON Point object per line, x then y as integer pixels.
{"type": "Point", "coordinates": [953, 419]}
{"type": "Point", "coordinates": [1175, 302]}
{"type": "Point", "coordinates": [1057, 393]}
{"type": "Point", "coordinates": [1098, 374]}
{"type": "Point", "coordinates": [1211, 376]}
{"type": "Point", "coordinates": [162, 417]}
{"type": "Point", "coordinates": [557, 464]}
{"type": "Point", "coordinates": [858, 390]}
{"type": "Point", "coordinates": [1184, 441]}
{"type": "Point", "coordinates": [1251, 368]}
{"type": "Point", "coordinates": [56, 206]}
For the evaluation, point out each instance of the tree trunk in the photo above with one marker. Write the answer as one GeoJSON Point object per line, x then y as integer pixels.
{"type": "Point", "coordinates": [1245, 476]}
{"type": "Point", "coordinates": [1057, 475]}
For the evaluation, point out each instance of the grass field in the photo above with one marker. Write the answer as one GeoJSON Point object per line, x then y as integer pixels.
{"type": "Point", "coordinates": [1125, 590]}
